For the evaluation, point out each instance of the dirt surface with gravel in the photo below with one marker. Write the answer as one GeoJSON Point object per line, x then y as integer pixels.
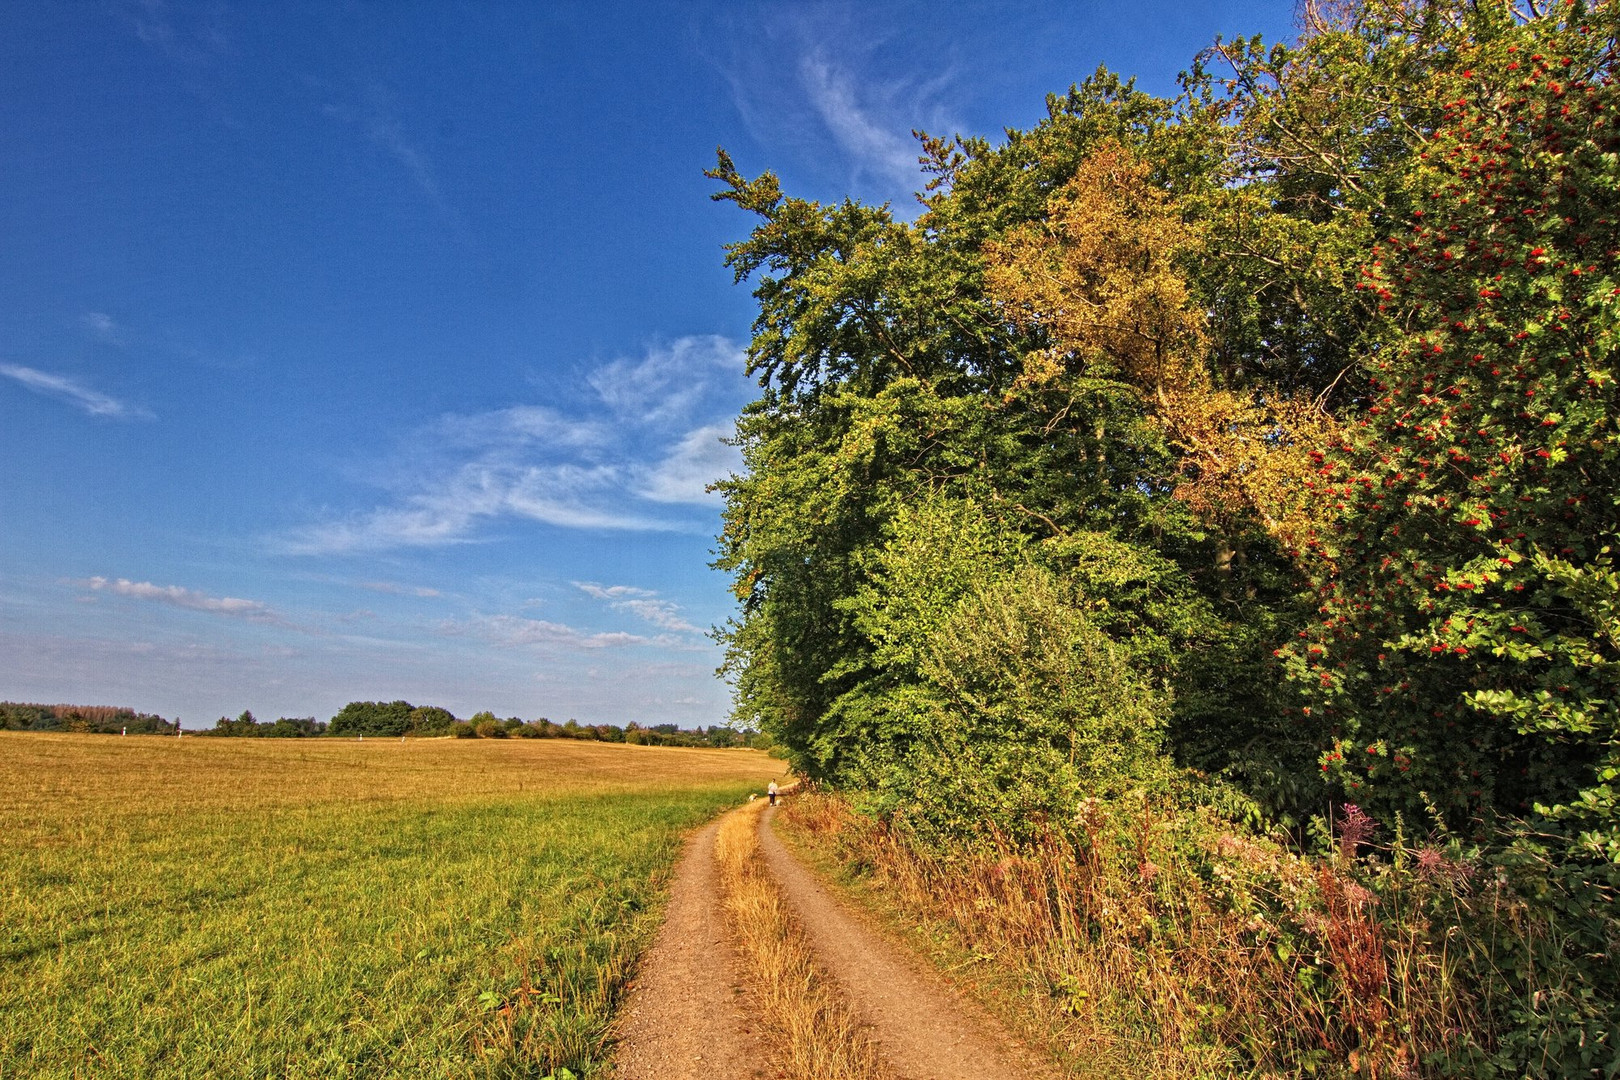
{"type": "Point", "coordinates": [689, 1015]}
{"type": "Point", "coordinates": [924, 1029]}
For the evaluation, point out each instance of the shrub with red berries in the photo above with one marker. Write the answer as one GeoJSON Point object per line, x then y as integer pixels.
{"type": "Point", "coordinates": [1467, 650]}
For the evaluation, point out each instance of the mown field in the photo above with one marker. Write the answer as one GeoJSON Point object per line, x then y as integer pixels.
{"type": "Point", "coordinates": [303, 908]}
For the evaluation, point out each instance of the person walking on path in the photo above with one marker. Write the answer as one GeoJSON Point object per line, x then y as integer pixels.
{"type": "Point", "coordinates": [771, 790]}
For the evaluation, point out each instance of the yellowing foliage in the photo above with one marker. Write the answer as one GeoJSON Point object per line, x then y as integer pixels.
{"type": "Point", "coordinates": [1101, 275]}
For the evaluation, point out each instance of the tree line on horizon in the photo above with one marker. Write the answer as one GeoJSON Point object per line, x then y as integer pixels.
{"type": "Point", "coordinates": [94, 719]}
{"type": "Point", "coordinates": [357, 719]}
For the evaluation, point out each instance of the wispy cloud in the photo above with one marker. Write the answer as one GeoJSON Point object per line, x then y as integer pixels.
{"type": "Point", "coordinates": [871, 143]}
{"type": "Point", "coordinates": [840, 109]}
{"type": "Point", "coordinates": [625, 461]}
{"type": "Point", "coordinates": [74, 393]}
{"type": "Point", "coordinates": [666, 384]}
{"type": "Point", "coordinates": [177, 596]}
{"type": "Point", "coordinates": [643, 603]}
{"type": "Point", "coordinates": [568, 496]}
{"type": "Point", "coordinates": [524, 425]}
{"type": "Point", "coordinates": [388, 133]}
{"type": "Point", "coordinates": [661, 613]}
{"type": "Point", "coordinates": [375, 117]}
{"type": "Point", "coordinates": [192, 35]}
{"type": "Point", "coordinates": [103, 327]}
{"type": "Point", "coordinates": [518, 631]}
{"type": "Point", "coordinates": [393, 589]}
{"type": "Point", "coordinates": [692, 465]}
{"type": "Point", "coordinates": [611, 592]}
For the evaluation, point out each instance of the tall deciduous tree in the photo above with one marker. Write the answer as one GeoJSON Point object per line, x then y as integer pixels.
{"type": "Point", "coordinates": [1322, 350]}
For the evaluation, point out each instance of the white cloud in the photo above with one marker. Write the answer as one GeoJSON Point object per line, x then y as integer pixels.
{"type": "Point", "coordinates": [887, 150]}
{"type": "Point", "coordinates": [518, 631]}
{"type": "Point", "coordinates": [611, 592]}
{"type": "Point", "coordinates": [595, 470]}
{"type": "Point", "coordinates": [569, 496]}
{"type": "Point", "coordinates": [103, 327]}
{"type": "Point", "coordinates": [527, 424]}
{"type": "Point", "coordinates": [820, 87]}
{"type": "Point", "coordinates": [369, 109]}
{"type": "Point", "coordinates": [661, 613]}
{"type": "Point", "coordinates": [193, 35]}
{"type": "Point", "coordinates": [62, 388]}
{"type": "Point", "coordinates": [176, 596]}
{"type": "Point", "coordinates": [394, 589]}
{"type": "Point", "coordinates": [387, 132]}
{"type": "Point", "coordinates": [669, 382]}
{"type": "Point", "coordinates": [698, 460]}
{"type": "Point", "coordinates": [642, 603]}
{"type": "Point", "coordinates": [563, 495]}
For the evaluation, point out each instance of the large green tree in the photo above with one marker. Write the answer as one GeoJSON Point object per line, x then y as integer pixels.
{"type": "Point", "coordinates": [1320, 348]}
{"type": "Point", "coordinates": [892, 377]}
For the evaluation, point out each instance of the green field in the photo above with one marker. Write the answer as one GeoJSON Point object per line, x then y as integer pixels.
{"type": "Point", "coordinates": [301, 908]}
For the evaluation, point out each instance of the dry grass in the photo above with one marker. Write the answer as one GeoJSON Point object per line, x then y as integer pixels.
{"type": "Point", "coordinates": [1170, 945]}
{"type": "Point", "coordinates": [820, 1037]}
{"type": "Point", "coordinates": [313, 908]}
{"type": "Point", "coordinates": [124, 776]}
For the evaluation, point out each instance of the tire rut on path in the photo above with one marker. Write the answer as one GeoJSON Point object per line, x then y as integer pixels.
{"type": "Point", "coordinates": [687, 1016]}
{"type": "Point", "coordinates": [924, 1030]}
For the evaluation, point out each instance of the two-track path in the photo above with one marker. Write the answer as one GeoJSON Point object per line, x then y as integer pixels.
{"type": "Point", "coordinates": [688, 1017]}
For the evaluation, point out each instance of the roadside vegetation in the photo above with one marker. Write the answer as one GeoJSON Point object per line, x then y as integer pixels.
{"type": "Point", "coordinates": [1188, 545]}
{"type": "Point", "coordinates": [320, 907]}
{"type": "Point", "coordinates": [1166, 940]}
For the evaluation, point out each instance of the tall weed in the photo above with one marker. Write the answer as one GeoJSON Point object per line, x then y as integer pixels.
{"type": "Point", "coordinates": [1167, 938]}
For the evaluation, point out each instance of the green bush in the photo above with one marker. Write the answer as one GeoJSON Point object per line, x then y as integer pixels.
{"type": "Point", "coordinates": [999, 701]}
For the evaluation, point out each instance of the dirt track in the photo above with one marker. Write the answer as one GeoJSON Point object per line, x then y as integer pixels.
{"type": "Point", "coordinates": [688, 1015]}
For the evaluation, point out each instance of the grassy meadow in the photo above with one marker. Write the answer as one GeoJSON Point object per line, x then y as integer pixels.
{"type": "Point", "coordinates": [302, 908]}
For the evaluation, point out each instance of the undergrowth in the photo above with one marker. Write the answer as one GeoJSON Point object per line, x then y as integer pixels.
{"type": "Point", "coordinates": [1170, 940]}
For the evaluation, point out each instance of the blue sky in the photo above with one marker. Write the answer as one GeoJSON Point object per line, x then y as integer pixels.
{"type": "Point", "coordinates": [376, 350]}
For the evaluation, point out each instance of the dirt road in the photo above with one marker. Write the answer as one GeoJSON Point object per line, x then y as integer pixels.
{"type": "Point", "coordinates": [688, 1016]}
